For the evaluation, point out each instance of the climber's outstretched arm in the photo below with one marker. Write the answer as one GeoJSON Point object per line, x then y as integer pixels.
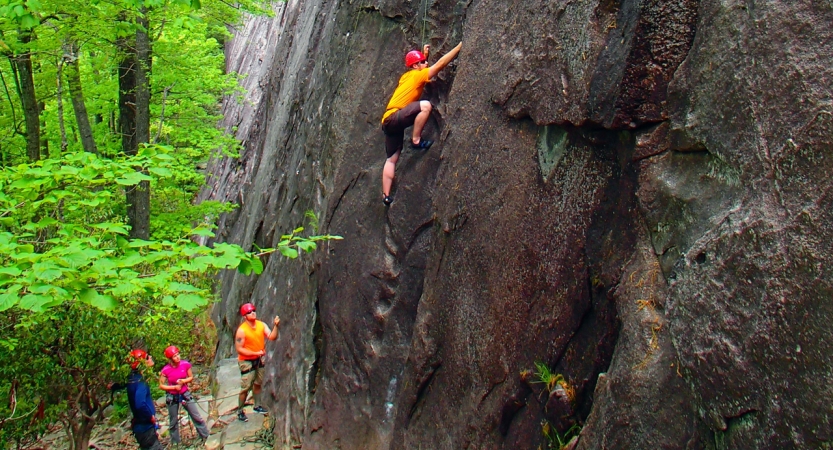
{"type": "Point", "coordinates": [442, 62]}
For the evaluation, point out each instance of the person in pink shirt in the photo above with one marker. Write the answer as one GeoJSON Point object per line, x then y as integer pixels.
{"type": "Point", "coordinates": [174, 381]}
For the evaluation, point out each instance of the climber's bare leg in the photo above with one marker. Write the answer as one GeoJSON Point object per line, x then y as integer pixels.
{"type": "Point", "coordinates": [388, 173]}
{"type": "Point", "coordinates": [421, 119]}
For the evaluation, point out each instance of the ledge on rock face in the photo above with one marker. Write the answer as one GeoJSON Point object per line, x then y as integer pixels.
{"type": "Point", "coordinates": [552, 143]}
{"type": "Point", "coordinates": [682, 195]}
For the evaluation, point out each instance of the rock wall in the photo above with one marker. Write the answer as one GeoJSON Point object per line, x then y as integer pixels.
{"type": "Point", "coordinates": [633, 193]}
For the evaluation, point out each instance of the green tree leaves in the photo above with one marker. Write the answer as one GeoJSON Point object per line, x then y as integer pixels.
{"type": "Point", "coordinates": [21, 13]}
{"type": "Point", "coordinates": [54, 250]}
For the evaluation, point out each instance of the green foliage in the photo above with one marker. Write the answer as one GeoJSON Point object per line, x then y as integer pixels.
{"type": "Point", "coordinates": [556, 440]}
{"type": "Point", "coordinates": [20, 13]}
{"type": "Point", "coordinates": [121, 409]}
{"type": "Point", "coordinates": [22, 422]}
{"type": "Point", "coordinates": [186, 80]}
{"type": "Point", "coordinates": [291, 243]}
{"type": "Point", "coordinates": [312, 219]}
{"type": "Point", "coordinates": [60, 239]}
{"type": "Point", "coordinates": [550, 380]}
{"type": "Point", "coordinates": [76, 350]}
{"type": "Point", "coordinates": [173, 216]}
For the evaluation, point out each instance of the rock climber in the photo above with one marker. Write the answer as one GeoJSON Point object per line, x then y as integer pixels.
{"type": "Point", "coordinates": [140, 401]}
{"type": "Point", "coordinates": [174, 380]}
{"type": "Point", "coordinates": [250, 343]}
{"type": "Point", "coordinates": [405, 109]}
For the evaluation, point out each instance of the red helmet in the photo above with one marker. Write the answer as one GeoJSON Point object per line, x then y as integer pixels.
{"type": "Point", "coordinates": [246, 309]}
{"type": "Point", "coordinates": [136, 358]}
{"type": "Point", "coordinates": [171, 351]}
{"type": "Point", "coordinates": [413, 57]}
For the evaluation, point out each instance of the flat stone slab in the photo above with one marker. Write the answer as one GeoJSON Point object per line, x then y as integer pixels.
{"type": "Point", "coordinates": [237, 431]}
{"type": "Point", "coordinates": [245, 446]}
{"type": "Point", "coordinates": [226, 386]}
{"type": "Point", "coordinates": [214, 442]}
{"type": "Point", "coordinates": [204, 405]}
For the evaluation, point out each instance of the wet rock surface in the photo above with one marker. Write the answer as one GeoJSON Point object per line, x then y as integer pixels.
{"type": "Point", "coordinates": [634, 193]}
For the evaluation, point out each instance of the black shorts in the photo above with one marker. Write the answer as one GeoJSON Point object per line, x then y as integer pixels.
{"type": "Point", "coordinates": [394, 127]}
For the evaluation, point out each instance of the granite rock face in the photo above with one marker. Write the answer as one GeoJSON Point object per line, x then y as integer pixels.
{"type": "Point", "coordinates": [634, 193]}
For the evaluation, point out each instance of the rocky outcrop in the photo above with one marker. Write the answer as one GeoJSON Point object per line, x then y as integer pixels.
{"type": "Point", "coordinates": [632, 193]}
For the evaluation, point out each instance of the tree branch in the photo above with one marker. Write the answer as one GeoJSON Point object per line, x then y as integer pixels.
{"type": "Point", "coordinates": [162, 113]}
{"type": "Point", "coordinates": [10, 418]}
{"type": "Point", "coordinates": [9, 96]}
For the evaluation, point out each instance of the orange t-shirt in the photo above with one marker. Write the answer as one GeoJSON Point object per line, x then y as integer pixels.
{"type": "Point", "coordinates": [408, 91]}
{"type": "Point", "coordinates": [255, 338]}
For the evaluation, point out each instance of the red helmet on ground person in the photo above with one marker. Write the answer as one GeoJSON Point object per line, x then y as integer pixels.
{"type": "Point", "coordinates": [137, 356]}
{"type": "Point", "coordinates": [413, 57]}
{"type": "Point", "coordinates": [171, 351]}
{"type": "Point", "coordinates": [246, 309]}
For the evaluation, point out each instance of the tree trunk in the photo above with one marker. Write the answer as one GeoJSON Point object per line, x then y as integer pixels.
{"type": "Point", "coordinates": [130, 114]}
{"type": "Point", "coordinates": [59, 99]}
{"type": "Point", "coordinates": [26, 82]}
{"type": "Point", "coordinates": [127, 97]}
{"type": "Point", "coordinates": [82, 434]}
{"type": "Point", "coordinates": [44, 142]}
{"type": "Point", "coordinates": [82, 120]}
{"type": "Point", "coordinates": [139, 198]}
{"type": "Point", "coordinates": [142, 81]}
{"type": "Point", "coordinates": [81, 422]}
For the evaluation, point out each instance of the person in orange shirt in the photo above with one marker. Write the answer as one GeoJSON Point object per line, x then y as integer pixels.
{"type": "Point", "coordinates": [405, 109]}
{"type": "Point", "coordinates": [250, 343]}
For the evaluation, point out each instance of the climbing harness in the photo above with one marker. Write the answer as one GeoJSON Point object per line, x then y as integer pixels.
{"type": "Point", "coordinates": [256, 364]}
{"type": "Point", "coordinates": [170, 399]}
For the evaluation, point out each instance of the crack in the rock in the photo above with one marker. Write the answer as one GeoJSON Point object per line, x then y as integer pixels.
{"type": "Point", "coordinates": [318, 346]}
{"type": "Point", "coordinates": [423, 387]}
{"type": "Point", "coordinates": [419, 231]}
{"type": "Point", "coordinates": [349, 185]}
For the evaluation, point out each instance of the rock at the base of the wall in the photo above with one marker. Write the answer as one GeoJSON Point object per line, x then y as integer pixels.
{"type": "Point", "coordinates": [243, 446]}
{"type": "Point", "coordinates": [237, 431]}
{"type": "Point", "coordinates": [225, 387]}
{"type": "Point", "coordinates": [214, 442]}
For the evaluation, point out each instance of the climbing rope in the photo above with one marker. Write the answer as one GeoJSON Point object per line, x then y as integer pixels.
{"type": "Point", "coordinates": [265, 437]}
{"type": "Point", "coordinates": [215, 401]}
{"type": "Point", "coordinates": [424, 14]}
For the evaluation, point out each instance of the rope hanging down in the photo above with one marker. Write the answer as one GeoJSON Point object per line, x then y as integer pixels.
{"type": "Point", "coordinates": [424, 13]}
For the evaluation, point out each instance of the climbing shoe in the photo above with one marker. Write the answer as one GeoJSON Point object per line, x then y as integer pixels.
{"type": "Point", "coordinates": [424, 144]}
{"type": "Point", "coordinates": [387, 200]}
{"type": "Point", "coordinates": [260, 409]}
{"type": "Point", "coordinates": [241, 416]}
